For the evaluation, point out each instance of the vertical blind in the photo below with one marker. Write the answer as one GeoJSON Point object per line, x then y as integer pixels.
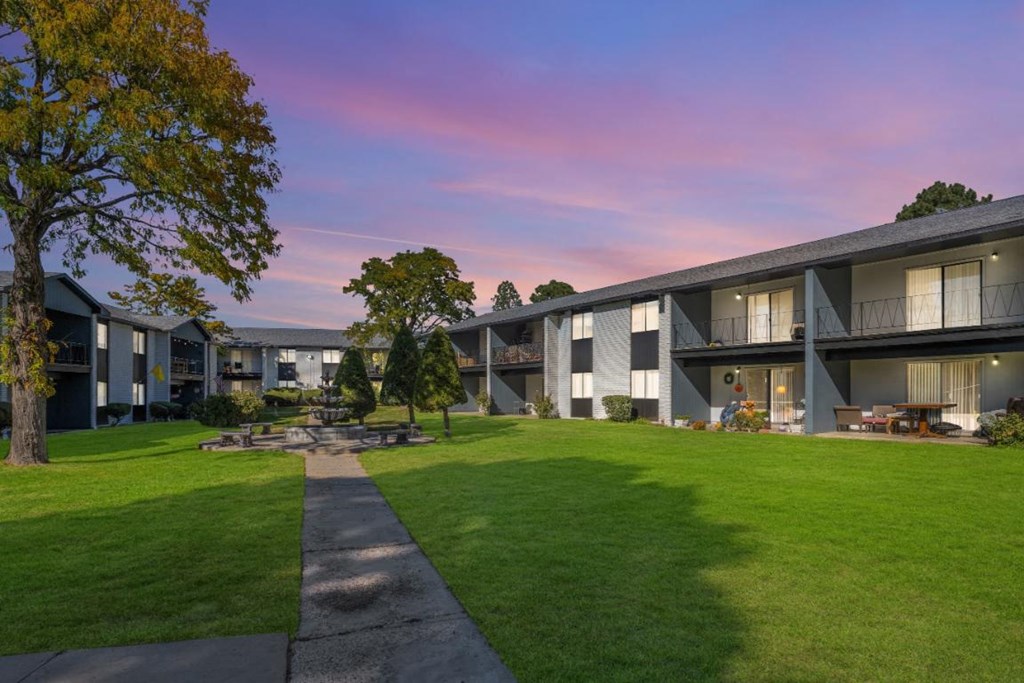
{"type": "Point", "coordinates": [956, 382]}
{"type": "Point", "coordinates": [770, 316]}
{"type": "Point", "coordinates": [944, 296]}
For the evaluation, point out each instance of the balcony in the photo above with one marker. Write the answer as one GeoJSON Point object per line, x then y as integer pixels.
{"type": "Point", "coordinates": [964, 308]}
{"type": "Point", "coordinates": [470, 361]}
{"type": "Point", "coordinates": [781, 327]}
{"type": "Point", "coordinates": [518, 353]}
{"type": "Point", "coordinates": [186, 366]}
{"type": "Point", "coordinates": [242, 370]}
{"type": "Point", "coordinates": [72, 353]}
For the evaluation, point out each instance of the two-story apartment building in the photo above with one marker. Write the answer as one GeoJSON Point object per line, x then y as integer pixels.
{"type": "Point", "coordinates": [926, 310]}
{"type": "Point", "coordinates": [261, 358]}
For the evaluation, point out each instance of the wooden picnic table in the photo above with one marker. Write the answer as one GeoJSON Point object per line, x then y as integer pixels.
{"type": "Point", "coordinates": [920, 412]}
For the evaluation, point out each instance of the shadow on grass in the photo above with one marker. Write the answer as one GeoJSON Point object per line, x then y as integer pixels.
{"type": "Point", "coordinates": [216, 561]}
{"type": "Point", "coordinates": [578, 569]}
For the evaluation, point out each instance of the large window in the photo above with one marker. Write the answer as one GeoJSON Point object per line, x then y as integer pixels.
{"type": "Point", "coordinates": [944, 296]}
{"type": "Point", "coordinates": [774, 390]}
{"type": "Point", "coordinates": [644, 384]}
{"type": "Point", "coordinates": [583, 325]}
{"type": "Point", "coordinates": [139, 394]}
{"type": "Point", "coordinates": [287, 373]}
{"type": "Point", "coordinates": [582, 385]}
{"type": "Point", "coordinates": [139, 342]}
{"type": "Point", "coordinates": [101, 394]}
{"type": "Point", "coordinates": [332, 356]}
{"type": "Point", "coordinates": [102, 332]}
{"type": "Point", "coordinates": [645, 316]}
{"type": "Point", "coordinates": [770, 317]}
{"type": "Point", "coordinates": [956, 382]}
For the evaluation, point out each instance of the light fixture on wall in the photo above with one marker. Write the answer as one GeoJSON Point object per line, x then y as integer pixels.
{"type": "Point", "coordinates": [739, 296]}
{"type": "Point", "coordinates": [995, 360]}
{"type": "Point", "coordinates": [995, 255]}
{"type": "Point", "coordinates": [781, 389]}
{"type": "Point", "coordinates": [738, 369]}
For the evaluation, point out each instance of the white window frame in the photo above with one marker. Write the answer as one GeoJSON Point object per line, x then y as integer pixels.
{"type": "Point", "coordinates": [138, 393]}
{"type": "Point", "coordinates": [582, 385]}
{"type": "Point", "coordinates": [644, 316]}
{"type": "Point", "coordinates": [286, 355]}
{"type": "Point", "coordinates": [102, 335]}
{"type": "Point", "coordinates": [332, 356]}
{"type": "Point", "coordinates": [583, 325]}
{"type": "Point", "coordinates": [644, 384]}
{"type": "Point", "coordinates": [139, 342]}
{"type": "Point", "coordinates": [102, 389]}
{"type": "Point", "coordinates": [770, 316]}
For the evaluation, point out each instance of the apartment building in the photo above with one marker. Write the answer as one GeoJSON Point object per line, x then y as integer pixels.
{"type": "Point", "coordinates": [262, 358]}
{"type": "Point", "coordinates": [925, 310]}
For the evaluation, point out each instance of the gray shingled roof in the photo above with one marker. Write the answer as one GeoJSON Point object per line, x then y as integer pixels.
{"type": "Point", "coordinates": [289, 337]}
{"type": "Point", "coordinates": [975, 220]}
{"type": "Point", "coordinates": [163, 323]}
{"type": "Point", "coordinates": [7, 281]}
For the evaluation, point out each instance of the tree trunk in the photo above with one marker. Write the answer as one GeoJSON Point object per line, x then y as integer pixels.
{"type": "Point", "coordinates": [447, 425]}
{"type": "Point", "coordinates": [412, 416]}
{"type": "Point", "coordinates": [28, 315]}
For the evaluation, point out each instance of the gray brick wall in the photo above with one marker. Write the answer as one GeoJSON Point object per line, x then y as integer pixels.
{"type": "Point", "coordinates": [563, 380]}
{"type": "Point", "coordinates": [611, 352]}
{"type": "Point", "coordinates": [551, 360]}
{"type": "Point", "coordinates": [665, 360]}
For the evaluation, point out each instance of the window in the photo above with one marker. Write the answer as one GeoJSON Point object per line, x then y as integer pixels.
{"type": "Point", "coordinates": [770, 317]}
{"type": "Point", "coordinates": [102, 331]}
{"type": "Point", "coordinates": [645, 316]}
{"type": "Point", "coordinates": [286, 355]}
{"type": "Point", "coordinates": [101, 394]}
{"type": "Point", "coordinates": [139, 342]}
{"type": "Point", "coordinates": [582, 385]}
{"type": "Point", "coordinates": [956, 382]}
{"type": "Point", "coordinates": [644, 384]}
{"type": "Point", "coordinates": [583, 325]}
{"type": "Point", "coordinates": [139, 394]}
{"type": "Point", "coordinates": [332, 356]}
{"type": "Point", "coordinates": [944, 296]}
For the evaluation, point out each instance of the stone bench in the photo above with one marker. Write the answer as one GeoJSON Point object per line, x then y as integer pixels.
{"type": "Point", "coordinates": [243, 438]}
{"type": "Point", "coordinates": [251, 426]}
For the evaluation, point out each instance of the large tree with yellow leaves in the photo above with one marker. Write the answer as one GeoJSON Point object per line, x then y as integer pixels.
{"type": "Point", "coordinates": [125, 134]}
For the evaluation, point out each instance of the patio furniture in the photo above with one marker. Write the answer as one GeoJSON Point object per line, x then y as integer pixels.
{"type": "Point", "coordinates": [946, 429]}
{"type": "Point", "coordinates": [879, 417]}
{"type": "Point", "coordinates": [848, 416]}
{"type": "Point", "coordinates": [919, 413]}
{"type": "Point", "coordinates": [242, 438]}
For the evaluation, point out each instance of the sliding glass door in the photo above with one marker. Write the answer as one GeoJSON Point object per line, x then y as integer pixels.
{"type": "Point", "coordinates": [772, 389]}
{"type": "Point", "coordinates": [770, 317]}
{"type": "Point", "coordinates": [944, 296]}
{"type": "Point", "coordinates": [956, 382]}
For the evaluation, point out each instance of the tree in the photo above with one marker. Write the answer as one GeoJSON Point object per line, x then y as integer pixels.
{"type": "Point", "coordinates": [439, 385]}
{"type": "Point", "coordinates": [166, 294]}
{"type": "Point", "coordinates": [551, 290]}
{"type": "Point", "coordinates": [356, 389]}
{"type": "Point", "coordinates": [416, 289]}
{"type": "Point", "coordinates": [940, 197]}
{"type": "Point", "coordinates": [506, 297]}
{"type": "Point", "coordinates": [398, 386]}
{"type": "Point", "coordinates": [123, 134]}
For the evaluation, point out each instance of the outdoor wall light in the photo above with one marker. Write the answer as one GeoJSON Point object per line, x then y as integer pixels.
{"type": "Point", "coordinates": [995, 255]}
{"type": "Point", "coordinates": [739, 296]}
{"type": "Point", "coordinates": [737, 369]}
{"type": "Point", "coordinates": [995, 360]}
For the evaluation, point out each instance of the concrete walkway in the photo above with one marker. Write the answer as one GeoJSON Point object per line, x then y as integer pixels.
{"type": "Point", "coordinates": [373, 607]}
{"type": "Point", "coordinates": [243, 659]}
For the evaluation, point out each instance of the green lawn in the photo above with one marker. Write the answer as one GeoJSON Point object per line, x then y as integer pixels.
{"type": "Point", "coordinates": [596, 551]}
{"type": "Point", "coordinates": [133, 535]}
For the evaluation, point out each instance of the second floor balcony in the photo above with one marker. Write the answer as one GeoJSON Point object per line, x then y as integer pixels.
{"type": "Point", "coordinates": [771, 328]}
{"type": "Point", "coordinates": [186, 366]}
{"type": "Point", "coordinates": [518, 353]}
{"type": "Point", "coordinates": [951, 309]}
{"type": "Point", "coordinates": [242, 369]}
{"type": "Point", "coordinates": [72, 353]}
{"type": "Point", "coordinates": [470, 360]}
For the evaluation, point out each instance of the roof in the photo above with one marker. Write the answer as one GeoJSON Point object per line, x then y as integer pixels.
{"type": "Point", "coordinates": [7, 281]}
{"type": "Point", "coordinates": [292, 337]}
{"type": "Point", "coordinates": [997, 216]}
{"type": "Point", "coordinates": [163, 323]}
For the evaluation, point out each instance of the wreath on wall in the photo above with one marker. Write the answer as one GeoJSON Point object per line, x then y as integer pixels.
{"type": "Point", "coordinates": [728, 378]}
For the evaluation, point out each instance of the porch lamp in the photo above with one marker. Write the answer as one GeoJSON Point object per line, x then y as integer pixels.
{"type": "Point", "coordinates": [995, 360]}
{"type": "Point", "coordinates": [739, 296]}
{"type": "Point", "coordinates": [995, 255]}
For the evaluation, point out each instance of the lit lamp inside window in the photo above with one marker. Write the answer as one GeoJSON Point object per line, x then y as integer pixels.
{"type": "Point", "coordinates": [781, 389]}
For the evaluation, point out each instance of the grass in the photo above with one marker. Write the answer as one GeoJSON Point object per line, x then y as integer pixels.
{"type": "Point", "coordinates": [598, 551]}
{"type": "Point", "coordinates": [132, 535]}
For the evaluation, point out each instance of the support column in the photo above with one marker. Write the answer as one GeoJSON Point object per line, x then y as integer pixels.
{"type": "Point", "coordinates": [827, 382]}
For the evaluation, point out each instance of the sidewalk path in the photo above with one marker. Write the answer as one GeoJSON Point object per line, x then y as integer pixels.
{"type": "Point", "coordinates": [373, 607]}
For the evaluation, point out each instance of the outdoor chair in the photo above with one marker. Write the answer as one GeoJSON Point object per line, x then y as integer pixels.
{"type": "Point", "coordinates": [848, 416]}
{"type": "Point", "coordinates": [879, 417]}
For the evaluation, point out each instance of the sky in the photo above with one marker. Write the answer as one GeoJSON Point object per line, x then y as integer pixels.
{"type": "Point", "coordinates": [599, 142]}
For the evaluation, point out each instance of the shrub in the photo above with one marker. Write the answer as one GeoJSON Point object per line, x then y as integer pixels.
{"type": "Point", "coordinates": [699, 425]}
{"type": "Point", "coordinates": [483, 402]}
{"type": "Point", "coordinates": [228, 410]}
{"type": "Point", "coordinates": [165, 410]}
{"type": "Point", "coordinates": [719, 426]}
{"type": "Point", "coordinates": [116, 411]}
{"type": "Point", "coordinates": [618, 408]}
{"type": "Point", "coordinates": [545, 407]}
{"type": "Point", "coordinates": [1008, 431]}
{"type": "Point", "coordinates": [751, 420]}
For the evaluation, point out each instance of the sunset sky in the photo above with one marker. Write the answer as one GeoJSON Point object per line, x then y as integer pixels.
{"type": "Point", "coordinates": [598, 142]}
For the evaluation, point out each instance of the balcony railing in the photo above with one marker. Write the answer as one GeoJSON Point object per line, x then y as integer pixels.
{"type": "Point", "coordinates": [71, 353]}
{"type": "Point", "coordinates": [186, 366]}
{"type": "Point", "coordinates": [467, 361]}
{"type": "Point", "coordinates": [972, 307]}
{"type": "Point", "coordinates": [241, 368]}
{"type": "Point", "coordinates": [784, 326]}
{"type": "Point", "coordinates": [518, 353]}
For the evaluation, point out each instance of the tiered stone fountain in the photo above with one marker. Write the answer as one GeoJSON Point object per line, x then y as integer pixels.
{"type": "Point", "coordinates": [326, 411]}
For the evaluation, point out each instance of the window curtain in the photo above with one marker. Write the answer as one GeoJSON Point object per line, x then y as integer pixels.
{"type": "Point", "coordinates": [758, 316]}
{"type": "Point", "coordinates": [924, 299]}
{"type": "Point", "coordinates": [962, 285]}
{"type": "Point", "coordinates": [961, 384]}
{"type": "Point", "coordinates": [782, 395]}
{"type": "Point", "coordinates": [782, 315]}
{"type": "Point", "coordinates": [924, 382]}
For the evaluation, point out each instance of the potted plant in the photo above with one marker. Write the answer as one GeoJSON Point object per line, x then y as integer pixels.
{"type": "Point", "coordinates": [682, 421]}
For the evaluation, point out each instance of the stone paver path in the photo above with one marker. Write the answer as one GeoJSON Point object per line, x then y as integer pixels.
{"type": "Point", "coordinates": [373, 607]}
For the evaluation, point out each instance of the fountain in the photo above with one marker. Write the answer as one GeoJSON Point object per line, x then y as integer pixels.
{"type": "Point", "coordinates": [326, 410]}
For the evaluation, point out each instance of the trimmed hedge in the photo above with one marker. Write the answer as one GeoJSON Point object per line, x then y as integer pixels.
{"type": "Point", "coordinates": [166, 410]}
{"type": "Point", "coordinates": [115, 411]}
{"type": "Point", "coordinates": [618, 408]}
{"type": "Point", "coordinates": [228, 410]}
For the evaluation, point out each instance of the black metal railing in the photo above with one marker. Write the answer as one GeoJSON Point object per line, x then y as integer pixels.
{"type": "Point", "coordinates": [186, 366]}
{"type": "Point", "coordinates": [71, 353]}
{"type": "Point", "coordinates": [241, 368]}
{"type": "Point", "coordinates": [971, 307]}
{"type": "Point", "coordinates": [518, 353]}
{"type": "Point", "coordinates": [784, 326]}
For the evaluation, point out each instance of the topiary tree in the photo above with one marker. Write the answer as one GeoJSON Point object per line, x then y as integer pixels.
{"type": "Point", "coordinates": [353, 382]}
{"type": "Point", "coordinates": [398, 386]}
{"type": "Point", "coordinates": [439, 385]}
